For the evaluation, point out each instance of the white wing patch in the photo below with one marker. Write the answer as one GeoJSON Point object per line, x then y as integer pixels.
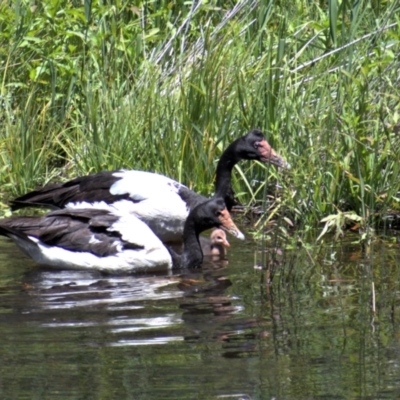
{"type": "Point", "coordinates": [165, 215]}
{"type": "Point", "coordinates": [134, 231]}
{"type": "Point", "coordinates": [93, 240]}
{"type": "Point", "coordinates": [155, 201]}
{"type": "Point", "coordinates": [142, 185]}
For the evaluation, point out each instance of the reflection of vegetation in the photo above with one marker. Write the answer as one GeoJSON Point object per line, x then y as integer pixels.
{"type": "Point", "coordinates": [323, 311]}
{"type": "Point", "coordinates": [165, 86]}
{"type": "Point", "coordinates": [309, 334]}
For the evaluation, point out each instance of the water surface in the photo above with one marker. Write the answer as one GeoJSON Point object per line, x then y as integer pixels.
{"type": "Point", "coordinates": [221, 332]}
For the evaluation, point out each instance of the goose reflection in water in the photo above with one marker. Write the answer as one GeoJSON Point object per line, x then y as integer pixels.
{"type": "Point", "coordinates": [137, 310]}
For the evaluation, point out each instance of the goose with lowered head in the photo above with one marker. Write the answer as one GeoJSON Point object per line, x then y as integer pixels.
{"type": "Point", "coordinates": [162, 203]}
{"type": "Point", "coordinates": [98, 239]}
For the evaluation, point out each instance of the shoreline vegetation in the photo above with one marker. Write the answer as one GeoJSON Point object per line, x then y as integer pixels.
{"type": "Point", "coordinates": [166, 86]}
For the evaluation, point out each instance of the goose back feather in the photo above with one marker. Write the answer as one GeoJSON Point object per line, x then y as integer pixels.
{"type": "Point", "coordinates": [96, 238]}
{"type": "Point", "coordinates": [159, 201]}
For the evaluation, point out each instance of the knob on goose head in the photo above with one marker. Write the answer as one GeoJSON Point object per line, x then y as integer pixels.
{"type": "Point", "coordinates": [254, 146]}
{"type": "Point", "coordinates": [213, 213]}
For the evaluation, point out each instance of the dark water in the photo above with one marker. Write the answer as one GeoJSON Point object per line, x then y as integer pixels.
{"type": "Point", "coordinates": [219, 333]}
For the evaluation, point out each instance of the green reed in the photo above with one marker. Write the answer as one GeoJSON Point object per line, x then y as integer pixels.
{"type": "Point", "coordinates": [165, 88]}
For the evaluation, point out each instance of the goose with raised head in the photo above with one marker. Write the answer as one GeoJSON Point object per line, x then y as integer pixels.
{"type": "Point", "coordinates": [215, 246]}
{"type": "Point", "coordinates": [98, 239]}
{"type": "Point", "coordinates": [162, 203]}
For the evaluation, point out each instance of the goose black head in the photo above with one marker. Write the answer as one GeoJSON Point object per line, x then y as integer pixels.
{"type": "Point", "coordinates": [214, 214]}
{"type": "Point", "coordinates": [254, 146]}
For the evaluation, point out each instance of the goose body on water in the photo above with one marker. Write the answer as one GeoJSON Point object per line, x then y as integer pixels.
{"type": "Point", "coordinates": [162, 203]}
{"type": "Point", "coordinates": [96, 238]}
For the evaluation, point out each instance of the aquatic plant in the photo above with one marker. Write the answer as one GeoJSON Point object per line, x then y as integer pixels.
{"type": "Point", "coordinates": [166, 86]}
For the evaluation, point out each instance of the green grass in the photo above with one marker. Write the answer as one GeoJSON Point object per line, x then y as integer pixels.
{"type": "Point", "coordinates": [166, 86]}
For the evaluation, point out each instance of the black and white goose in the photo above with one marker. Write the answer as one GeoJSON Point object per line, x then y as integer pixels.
{"type": "Point", "coordinates": [99, 239]}
{"type": "Point", "coordinates": [159, 201]}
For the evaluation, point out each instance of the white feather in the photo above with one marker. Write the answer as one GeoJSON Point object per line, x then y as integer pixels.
{"type": "Point", "coordinates": [152, 257]}
{"type": "Point", "coordinates": [93, 240]}
{"type": "Point", "coordinates": [142, 185]}
{"type": "Point", "coordinates": [160, 205]}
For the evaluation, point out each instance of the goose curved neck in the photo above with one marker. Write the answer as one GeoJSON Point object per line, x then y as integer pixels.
{"type": "Point", "coordinates": [192, 255]}
{"type": "Point", "coordinates": [223, 181]}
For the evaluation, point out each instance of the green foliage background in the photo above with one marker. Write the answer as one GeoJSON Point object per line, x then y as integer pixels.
{"type": "Point", "coordinates": [165, 86]}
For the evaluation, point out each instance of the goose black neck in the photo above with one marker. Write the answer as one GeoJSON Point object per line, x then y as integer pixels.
{"type": "Point", "coordinates": [192, 255]}
{"type": "Point", "coordinates": [223, 181]}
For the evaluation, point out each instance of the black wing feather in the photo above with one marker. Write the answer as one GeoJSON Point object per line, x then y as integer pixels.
{"type": "Point", "coordinates": [88, 188]}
